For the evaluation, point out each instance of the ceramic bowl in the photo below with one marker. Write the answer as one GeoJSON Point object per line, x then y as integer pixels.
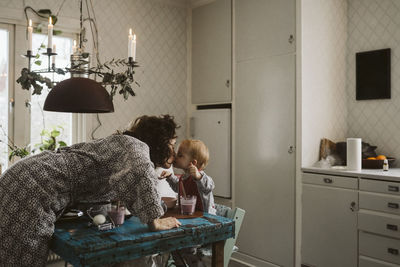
{"type": "Point", "coordinates": [376, 164]}
{"type": "Point", "coordinates": [169, 201]}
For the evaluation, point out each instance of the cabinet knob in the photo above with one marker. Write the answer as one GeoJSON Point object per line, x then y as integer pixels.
{"type": "Point", "coordinates": [353, 206]}
{"type": "Point", "coordinates": [393, 188]}
{"type": "Point", "coordinates": [393, 205]}
{"type": "Point", "coordinates": [291, 149]}
{"type": "Point", "coordinates": [393, 251]}
{"type": "Point", "coordinates": [228, 83]}
{"type": "Point", "coordinates": [328, 180]}
{"type": "Point", "coordinates": [291, 39]}
{"type": "Point", "coordinates": [392, 227]}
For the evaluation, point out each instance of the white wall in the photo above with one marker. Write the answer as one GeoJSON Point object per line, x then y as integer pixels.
{"type": "Point", "coordinates": [160, 26]}
{"type": "Point", "coordinates": [374, 24]}
{"type": "Point", "coordinates": [323, 67]}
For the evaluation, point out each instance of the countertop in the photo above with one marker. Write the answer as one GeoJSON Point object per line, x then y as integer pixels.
{"type": "Point", "coordinates": [392, 174]}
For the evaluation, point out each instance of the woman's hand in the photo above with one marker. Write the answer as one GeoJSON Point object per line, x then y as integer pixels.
{"type": "Point", "coordinates": [164, 224]}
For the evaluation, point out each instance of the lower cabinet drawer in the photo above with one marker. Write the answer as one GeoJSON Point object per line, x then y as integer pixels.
{"type": "Point", "coordinates": [379, 223]}
{"type": "Point", "coordinates": [379, 247]}
{"type": "Point", "coordinates": [330, 180]}
{"type": "Point", "coordinates": [380, 186]}
{"type": "Point", "coordinates": [370, 262]}
{"type": "Point", "coordinates": [379, 202]}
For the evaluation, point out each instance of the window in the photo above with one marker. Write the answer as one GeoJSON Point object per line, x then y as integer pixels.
{"type": "Point", "coordinates": [40, 119]}
{"type": "Point", "coordinates": [4, 94]}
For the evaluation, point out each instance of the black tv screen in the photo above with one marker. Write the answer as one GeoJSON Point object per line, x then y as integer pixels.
{"type": "Point", "coordinates": [373, 74]}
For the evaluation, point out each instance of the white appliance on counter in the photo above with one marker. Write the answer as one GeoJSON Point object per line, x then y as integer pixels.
{"type": "Point", "coordinates": [213, 127]}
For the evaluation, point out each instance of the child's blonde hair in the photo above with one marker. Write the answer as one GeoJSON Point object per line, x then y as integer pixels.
{"type": "Point", "coordinates": [197, 150]}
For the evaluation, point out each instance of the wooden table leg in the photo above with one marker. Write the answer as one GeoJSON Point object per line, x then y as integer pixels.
{"type": "Point", "coordinates": [218, 254]}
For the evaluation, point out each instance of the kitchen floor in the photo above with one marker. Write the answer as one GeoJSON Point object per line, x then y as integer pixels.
{"type": "Point", "coordinates": [62, 264]}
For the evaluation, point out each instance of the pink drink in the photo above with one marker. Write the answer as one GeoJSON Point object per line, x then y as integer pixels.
{"type": "Point", "coordinates": [188, 205]}
{"type": "Point", "coordinates": [117, 216]}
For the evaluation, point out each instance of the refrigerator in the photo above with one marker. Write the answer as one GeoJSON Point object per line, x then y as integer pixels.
{"type": "Point", "coordinates": [213, 127]}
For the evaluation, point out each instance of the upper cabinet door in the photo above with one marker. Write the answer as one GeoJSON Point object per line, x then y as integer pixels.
{"type": "Point", "coordinates": [212, 52]}
{"type": "Point", "coordinates": [264, 28]}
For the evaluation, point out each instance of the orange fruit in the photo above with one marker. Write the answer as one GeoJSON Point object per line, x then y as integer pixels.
{"type": "Point", "coordinates": [381, 157]}
{"type": "Point", "coordinates": [371, 158]}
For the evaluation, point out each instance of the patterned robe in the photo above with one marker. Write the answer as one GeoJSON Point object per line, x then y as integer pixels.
{"type": "Point", "coordinates": [38, 188]}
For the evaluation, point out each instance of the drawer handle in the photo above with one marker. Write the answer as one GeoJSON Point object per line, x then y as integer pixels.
{"type": "Point", "coordinates": [391, 227]}
{"type": "Point", "coordinates": [393, 188]}
{"type": "Point", "coordinates": [393, 251]}
{"type": "Point", "coordinates": [393, 205]}
{"type": "Point", "coordinates": [328, 180]}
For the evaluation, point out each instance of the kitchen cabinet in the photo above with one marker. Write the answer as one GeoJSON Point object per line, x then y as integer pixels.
{"type": "Point", "coordinates": [329, 220]}
{"type": "Point", "coordinates": [264, 28]}
{"type": "Point", "coordinates": [336, 232]}
{"type": "Point", "coordinates": [264, 130]}
{"type": "Point", "coordinates": [264, 158]}
{"type": "Point", "coordinates": [379, 221]}
{"type": "Point", "coordinates": [263, 113]}
{"type": "Point", "coordinates": [212, 52]}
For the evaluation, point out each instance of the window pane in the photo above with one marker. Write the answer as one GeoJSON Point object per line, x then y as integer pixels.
{"type": "Point", "coordinates": [45, 119]}
{"type": "Point", "coordinates": [4, 97]}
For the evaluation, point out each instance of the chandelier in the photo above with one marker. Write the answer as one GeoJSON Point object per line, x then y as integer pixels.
{"type": "Point", "coordinates": [80, 93]}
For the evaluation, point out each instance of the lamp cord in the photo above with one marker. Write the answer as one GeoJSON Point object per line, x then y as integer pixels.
{"type": "Point", "coordinates": [97, 127]}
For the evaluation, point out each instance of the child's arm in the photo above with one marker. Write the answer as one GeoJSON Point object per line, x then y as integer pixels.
{"type": "Point", "coordinates": [173, 182]}
{"type": "Point", "coordinates": [205, 184]}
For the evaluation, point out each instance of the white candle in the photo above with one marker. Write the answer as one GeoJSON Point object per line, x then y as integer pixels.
{"type": "Point", "coordinates": [50, 34]}
{"type": "Point", "coordinates": [30, 30]}
{"type": "Point", "coordinates": [53, 57]}
{"type": "Point", "coordinates": [74, 47]}
{"type": "Point", "coordinates": [134, 48]}
{"type": "Point", "coordinates": [130, 37]}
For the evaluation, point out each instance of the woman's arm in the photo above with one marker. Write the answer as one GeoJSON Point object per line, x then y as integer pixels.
{"type": "Point", "coordinates": [135, 182]}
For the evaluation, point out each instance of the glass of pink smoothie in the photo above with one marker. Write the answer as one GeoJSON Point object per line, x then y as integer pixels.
{"type": "Point", "coordinates": [188, 205]}
{"type": "Point", "coordinates": [117, 215]}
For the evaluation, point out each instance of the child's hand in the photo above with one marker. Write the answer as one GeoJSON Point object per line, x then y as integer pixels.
{"type": "Point", "coordinates": [194, 172]}
{"type": "Point", "coordinates": [165, 174]}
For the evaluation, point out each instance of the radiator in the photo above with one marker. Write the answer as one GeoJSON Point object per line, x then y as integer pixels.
{"type": "Point", "coordinates": [53, 257]}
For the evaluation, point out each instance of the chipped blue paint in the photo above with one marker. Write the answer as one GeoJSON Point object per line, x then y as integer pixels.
{"type": "Point", "coordinates": [80, 245]}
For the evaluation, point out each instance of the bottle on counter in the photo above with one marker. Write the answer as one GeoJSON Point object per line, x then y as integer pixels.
{"type": "Point", "coordinates": [385, 165]}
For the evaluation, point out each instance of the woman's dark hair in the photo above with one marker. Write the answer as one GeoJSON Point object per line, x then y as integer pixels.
{"type": "Point", "coordinates": [156, 132]}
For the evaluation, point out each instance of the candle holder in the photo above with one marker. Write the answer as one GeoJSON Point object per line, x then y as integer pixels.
{"type": "Point", "coordinates": [131, 64]}
{"type": "Point", "coordinates": [29, 55]}
{"type": "Point", "coordinates": [49, 53]}
{"type": "Point", "coordinates": [110, 73]}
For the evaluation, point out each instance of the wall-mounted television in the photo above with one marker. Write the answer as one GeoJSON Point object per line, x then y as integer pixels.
{"type": "Point", "coordinates": [373, 74]}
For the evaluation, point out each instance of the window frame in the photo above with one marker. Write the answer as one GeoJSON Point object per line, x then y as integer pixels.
{"type": "Point", "coordinates": [10, 110]}
{"type": "Point", "coordinates": [19, 119]}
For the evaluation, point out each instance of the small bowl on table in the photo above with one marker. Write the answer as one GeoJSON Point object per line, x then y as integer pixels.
{"type": "Point", "coordinates": [170, 202]}
{"type": "Point", "coordinates": [376, 163]}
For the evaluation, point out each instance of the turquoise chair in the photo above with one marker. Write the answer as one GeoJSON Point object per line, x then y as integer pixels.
{"type": "Point", "coordinates": [205, 253]}
{"type": "Point", "coordinates": [237, 215]}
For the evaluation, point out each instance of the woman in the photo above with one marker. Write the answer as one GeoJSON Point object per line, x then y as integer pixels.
{"type": "Point", "coordinates": [35, 191]}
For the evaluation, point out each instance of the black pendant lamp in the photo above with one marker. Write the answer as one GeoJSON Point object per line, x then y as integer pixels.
{"type": "Point", "coordinates": [79, 95]}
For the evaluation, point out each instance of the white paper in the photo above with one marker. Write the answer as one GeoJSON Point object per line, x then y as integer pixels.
{"type": "Point", "coordinates": [354, 154]}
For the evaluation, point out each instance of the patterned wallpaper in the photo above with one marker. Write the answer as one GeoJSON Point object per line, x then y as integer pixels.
{"type": "Point", "coordinates": [323, 60]}
{"type": "Point", "coordinates": [374, 24]}
{"type": "Point", "coordinates": [160, 26]}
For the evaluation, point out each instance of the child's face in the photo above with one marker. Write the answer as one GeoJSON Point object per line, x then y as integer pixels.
{"type": "Point", "coordinates": [182, 159]}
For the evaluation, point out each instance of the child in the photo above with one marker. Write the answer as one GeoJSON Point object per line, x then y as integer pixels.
{"type": "Point", "coordinates": [192, 157]}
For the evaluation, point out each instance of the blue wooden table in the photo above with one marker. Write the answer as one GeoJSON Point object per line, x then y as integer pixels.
{"type": "Point", "coordinates": [81, 245]}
